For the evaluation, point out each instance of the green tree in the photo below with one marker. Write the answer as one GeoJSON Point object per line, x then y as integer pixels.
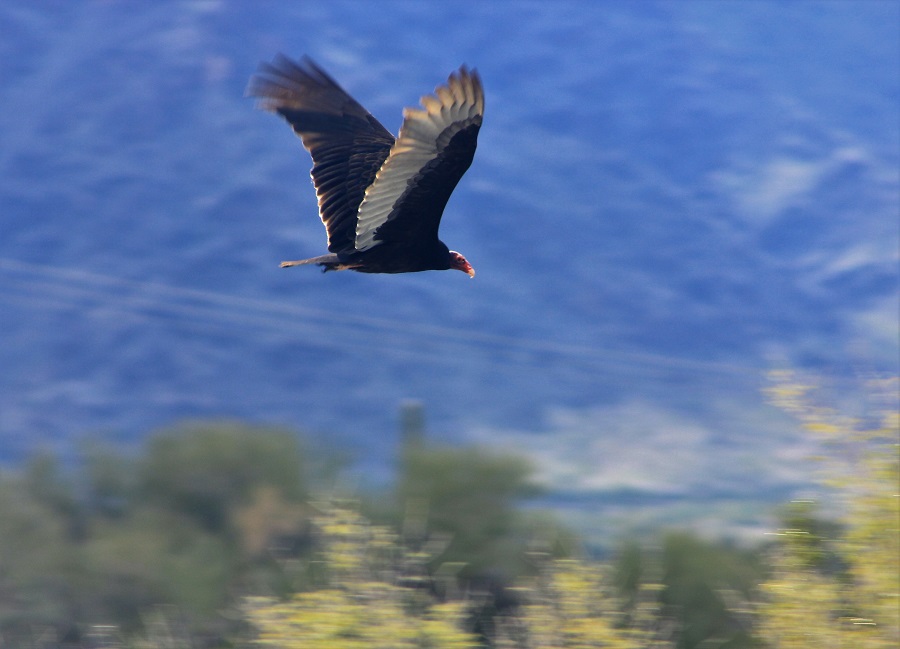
{"type": "Point", "coordinates": [205, 515]}
{"type": "Point", "coordinates": [205, 471]}
{"type": "Point", "coordinates": [133, 566]}
{"type": "Point", "coordinates": [464, 504]}
{"type": "Point", "coordinates": [37, 561]}
{"type": "Point", "coordinates": [707, 590]}
{"type": "Point", "coordinates": [220, 510]}
{"type": "Point", "coordinates": [45, 481]}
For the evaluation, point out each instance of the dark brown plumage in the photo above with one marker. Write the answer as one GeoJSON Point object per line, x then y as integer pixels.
{"type": "Point", "coordinates": [381, 199]}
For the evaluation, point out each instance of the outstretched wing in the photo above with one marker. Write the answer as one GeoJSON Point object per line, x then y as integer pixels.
{"type": "Point", "coordinates": [346, 143]}
{"type": "Point", "coordinates": [435, 147]}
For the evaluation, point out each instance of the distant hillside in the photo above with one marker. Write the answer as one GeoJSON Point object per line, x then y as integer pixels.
{"type": "Point", "coordinates": [667, 200]}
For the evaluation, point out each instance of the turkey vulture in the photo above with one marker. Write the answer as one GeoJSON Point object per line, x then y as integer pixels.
{"type": "Point", "coordinates": [381, 199]}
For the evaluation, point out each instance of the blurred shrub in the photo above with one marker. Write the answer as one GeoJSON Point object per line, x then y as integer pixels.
{"type": "Point", "coordinates": [840, 586]}
{"type": "Point", "coordinates": [163, 548]}
{"type": "Point", "coordinates": [573, 603]}
{"type": "Point", "coordinates": [205, 471]}
{"type": "Point", "coordinates": [37, 562]}
{"type": "Point", "coordinates": [205, 515]}
{"type": "Point", "coordinates": [360, 602]}
{"type": "Point", "coordinates": [467, 502]}
{"type": "Point", "coordinates": [708, 590]}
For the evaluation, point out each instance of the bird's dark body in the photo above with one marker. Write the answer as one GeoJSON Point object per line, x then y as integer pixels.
{"type": "Point", "coordinates": [350, 149]}
{"type": "Point", "coordinates": [394, 259]}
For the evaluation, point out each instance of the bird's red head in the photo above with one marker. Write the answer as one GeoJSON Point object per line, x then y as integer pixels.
{"type": "Point", "coordinates": [458, 262]}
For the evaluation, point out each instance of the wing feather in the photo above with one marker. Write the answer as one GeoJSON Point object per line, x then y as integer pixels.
{"type": "Point", "coordinates": [347, 144]}
{"type": "Point", "coordinates": [433, 150]}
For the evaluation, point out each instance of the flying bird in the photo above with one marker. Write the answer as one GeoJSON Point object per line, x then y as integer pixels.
{"type": "Point", "coordinates": [380, 198]}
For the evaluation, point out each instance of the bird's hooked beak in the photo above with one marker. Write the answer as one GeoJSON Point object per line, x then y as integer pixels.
{"type": "Point", "coordinates": [458, 262]}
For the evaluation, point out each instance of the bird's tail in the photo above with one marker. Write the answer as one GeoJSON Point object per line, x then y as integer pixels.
{"type": "Point", "coordinates": [328, 262]}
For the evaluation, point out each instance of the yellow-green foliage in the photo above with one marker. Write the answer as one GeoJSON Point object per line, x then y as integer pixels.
{"type": "Point", "coordinates": [860, 607]}
{"type": "Point", "coordinates": [568, 605]}
{"type": "Point", "coordinates": [358, 606]}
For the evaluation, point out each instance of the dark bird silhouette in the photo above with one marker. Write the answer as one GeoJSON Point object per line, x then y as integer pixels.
{"type": "Point", "coordinates": [381, 199]}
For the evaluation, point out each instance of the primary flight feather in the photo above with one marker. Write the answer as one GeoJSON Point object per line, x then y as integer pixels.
{"type": "Point", "coordinates": [381, 199]}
